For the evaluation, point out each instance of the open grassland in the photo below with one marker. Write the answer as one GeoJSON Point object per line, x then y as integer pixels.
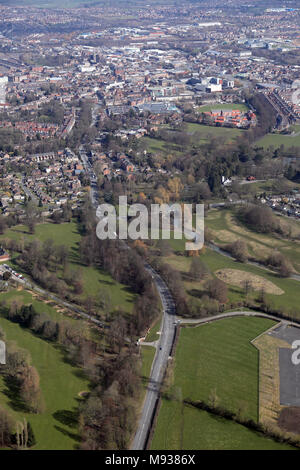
{"type": "Point", "coordinates": [94, 279]}
{"type": "Point", "coordinates": [276, 140]}
{"type": "Point", "coordinates": [24, 297]}
{"type": "Point", "coordinates": [236, 277]}
{"type": "Point", "coordinates": [147, 356]}
{"type": "Point", "coordinates": [205, 133]}
{"type": "Point", "coordinates": [199, 133]}
{"type": "Point", "coordinates": [153, 332]}
{"type": "Point", "coordinates": [147, 353]}
{"type": "Point", "coordinates": [188, 428]}
{"type": "Point", "coordinates": [57, 426]}
{"type": "Point", "coordinates": [209, 107]}
{"type": "Point", "coordinates": [226, 228]}
{"type": "Point", "coordinates": [273, 186]}
{"type": "Point", "coordinates": [287, 301]}
{"type": "Point", "coordinates": [156, 145]}
{"type": "Point", "coordinates": [219, 359]}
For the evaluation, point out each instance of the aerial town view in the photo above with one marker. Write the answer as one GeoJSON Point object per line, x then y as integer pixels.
{"type": "Point", "coordinates": [149, 227]}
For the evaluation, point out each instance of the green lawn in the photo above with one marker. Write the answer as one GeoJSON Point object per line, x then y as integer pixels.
{"type": "Point", "coordinates": [24, 297]}
{"type": "Point", "coordinates": [192, 429]}
{"type": "Point", "coordinates": [148, 353]}
{"type": "Point", "coordinates": [155, 145]}
{"type": "Point", "coordinates": [209, 107]}
{"type": "Point", "coordinates": [205, 133]}
{"type": "Point", "coordinates": [219, 356]}
{"type": "Point", "coordinates": [214, 357]}
{"type": "Point", "coordinates": [56, 427]}
{"type": "Point", "coordinates": [289, 301]}
{"type": "Point", "coordinates": [200, 134]}
{"type": "Point", "coordinates": [62, 234]}
{"type": "Point", "coordinates": [276, 140]}
{"type": "Point", "coordinates": [152, 335]}
{"type": "Point", "coordinates": [147, 356]}
{"type": "Point", "coordinates": [266, 243]}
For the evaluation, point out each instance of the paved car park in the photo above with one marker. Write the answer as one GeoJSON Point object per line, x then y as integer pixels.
{"type": "Point", "coordinates": [286, 333]}
{"type": "Point", "coordinates": [289, 379]}
{"type": "Point", "coordinates": [289, 372]}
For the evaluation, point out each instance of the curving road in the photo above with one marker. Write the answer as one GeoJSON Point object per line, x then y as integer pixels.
{"type": "Point", "coordinates": [237, 313]}
{"type": "Point", "coordinates": [160, 362]}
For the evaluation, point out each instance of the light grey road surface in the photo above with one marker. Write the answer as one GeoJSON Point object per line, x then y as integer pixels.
{"type": "Point", "coordinates": [160, 361]}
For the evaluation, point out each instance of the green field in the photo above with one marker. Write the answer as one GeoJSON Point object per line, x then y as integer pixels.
{"type": "Point", "coordinates": [56, 427]}
{"type": "Point", "coordinates": [219, 358]}
{"type": "Point", "coordinates": [226, 227]}
{"type": "Point", "coordinates": [205, 133]}
{"type": "Point", "coordinates": [209, 107]}
{"type": "Point", "coordinates": [193, 429]}
{"type": "Point", "coordinates": [23, 297]}
{"type": "Point", "coordinates": [93, 279]}
{"type": "Point", "coordinates": [156, 145]}
{"type": "Point", "coordinates": [289, 301]}
{"type": "Point", "coordinates": [147, 354]}
{"type": "Point", "coordinates": [199, 133]}
{"type": "Point", "coordinates": [216, 220]}
{"type": "Point", "coordinates": [276, 140]}
{"type": "Point", "coordinates": [152, 335]}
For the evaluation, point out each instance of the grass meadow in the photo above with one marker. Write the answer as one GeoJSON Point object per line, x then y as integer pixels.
{"type": "Point", "coordinates": [214, 358]}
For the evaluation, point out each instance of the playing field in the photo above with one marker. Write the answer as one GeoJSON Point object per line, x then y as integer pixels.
{"type": "Point", "coordinates": [276, 140]}
{"type": "Point", "coordinates": [187, 428]}
{"type": "Point", "coordinates": [216, 358]}
{"type": "Point", "coordinates": [219, 357]}
{"type": "Point", "coordinates": [209, 107]}
{"type": "Point", "coordinates": [205, 133]}
{"type": "Point", "coordinates": [199, 134]}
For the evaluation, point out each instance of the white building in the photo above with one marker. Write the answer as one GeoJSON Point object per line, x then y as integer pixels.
{"type": "Point", "coordinates": [3, 83]}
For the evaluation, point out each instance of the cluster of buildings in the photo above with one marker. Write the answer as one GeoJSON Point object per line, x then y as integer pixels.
{"type": "Point", "coordinates": [232, 117]}
{"type": "Point", "coordinates": [53, 180]}
{"type": "Point", "coordinates": [285, 204]}
{"type": "Point", "coordinates": [139, 74]}
{"type": "Point", "coordinates": [150, 69]}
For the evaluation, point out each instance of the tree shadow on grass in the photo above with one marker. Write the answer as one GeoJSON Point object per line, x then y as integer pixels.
{"type": "Point", "coordinates": [12, 392]}
{"type": "Point", "coordinates": [67, 417]}
{"type": "Point", "coordinates": [26, 232]}
{"type": "Point", "coordinates": [107, 283]}
{"type": "Point", "coordinates": [80, 373]}
{"type": "Point", "coordinates": [196, 293]}
{"type": "Point", "coordinates": [71, 435]}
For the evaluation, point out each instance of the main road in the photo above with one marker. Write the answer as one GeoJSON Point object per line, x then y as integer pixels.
{"type": "Point", "coordinates": [160, 362]}
{"type": "Point", "coordinates": [167, 334]}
